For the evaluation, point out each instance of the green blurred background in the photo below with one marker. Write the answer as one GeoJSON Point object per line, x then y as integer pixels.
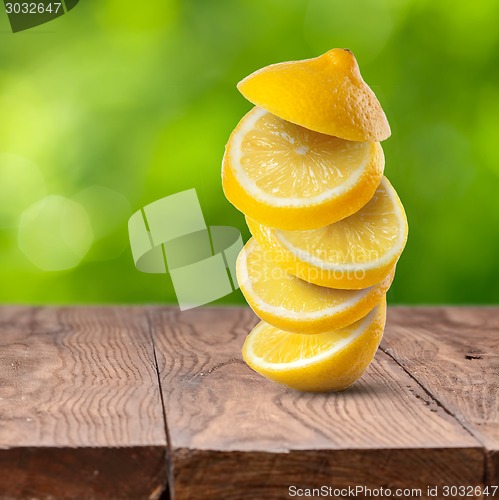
{"type": "Point", "coordinates": [119, 103]}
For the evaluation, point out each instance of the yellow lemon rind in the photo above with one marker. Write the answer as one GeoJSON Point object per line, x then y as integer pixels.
{"type": "Point", "coordinates": [307, 215]}
{"type": "Point", "coordinates": [309, 322]}
{"type": "Point", "coordinates": [349, 277]}
{"type": "Point", "coordinates": [329, 371]}
{"type": "Point", "coordinates": [326, 94]}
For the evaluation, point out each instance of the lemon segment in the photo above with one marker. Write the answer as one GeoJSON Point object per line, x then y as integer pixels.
{"type": "Point", "coordinates": [330, 361]}
{"type": "Point", "coordinates": [326, 94]}
{"type": "Point", "coordinates": [305, 166]}
{"type": "Point", "coordinates": [294, 305]}
{"type": "Point", "coordinates": [356, 252]}
{"type": "Point", "coordinates": [285, 176]}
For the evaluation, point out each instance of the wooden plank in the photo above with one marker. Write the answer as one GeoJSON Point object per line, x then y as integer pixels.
{"type": "Point", "coordinates": [453, 352]}
{"type": "Point", "coordinates": [80, 409]}
{"type": "Point", "coordinates": [236, 435]}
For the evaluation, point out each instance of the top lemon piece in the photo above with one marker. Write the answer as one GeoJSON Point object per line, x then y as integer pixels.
{"type": "Point", "coordinates": [326, 94]}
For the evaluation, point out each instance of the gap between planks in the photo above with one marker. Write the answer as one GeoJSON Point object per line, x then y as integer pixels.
{"type": "Point", "coordinates": [448, 335]}
{"type": "Point", "coordinates": [80, 404]}
{"type": "Point", "coordinates": [386, 351]}
{"type": "Point", "coordinates": [168, 493]}
{"type": "Point", "coordinates": [151, 314]}
{"type": "Point", "coordinates": [452, 414]}
{"type": "Point", "coordinates": [432, 396]}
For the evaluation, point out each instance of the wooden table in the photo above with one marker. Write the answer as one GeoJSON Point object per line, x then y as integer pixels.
{"type": "Point", "coordinates": [135, 403]}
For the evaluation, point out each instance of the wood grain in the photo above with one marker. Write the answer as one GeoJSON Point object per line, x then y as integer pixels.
{"type": "Point", "coordinates": [236, 435]}
{"type": "Point", "coordinates": [454, 354]}
{"type": "Point", "coordinates": [82, 416]}
{"type": "Point", "coordinates": [80, 409]}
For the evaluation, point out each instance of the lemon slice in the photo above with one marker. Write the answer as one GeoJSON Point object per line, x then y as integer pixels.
{"type": "Point", "coordinates": [356, 252]}
{"type": "Point", "coordinates": [330, 361]}
{"type": "Point", "coordinates": [285, 176]}
{"type": "Point", "coordinates": [326, 94]}
{"type": "Point", "coordinates": [292, 304]}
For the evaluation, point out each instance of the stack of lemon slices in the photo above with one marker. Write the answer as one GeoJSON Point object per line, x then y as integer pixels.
{"type": "Point", "coordinates": [306, 168]}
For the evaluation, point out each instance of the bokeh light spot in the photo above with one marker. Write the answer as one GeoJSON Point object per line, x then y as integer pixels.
{"type": "Point", "coordinates": [109, 211]}
{"type": "Point", "coordinates": [22, 184]}
{"type": "Point", "coordinates": [55, 233]}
